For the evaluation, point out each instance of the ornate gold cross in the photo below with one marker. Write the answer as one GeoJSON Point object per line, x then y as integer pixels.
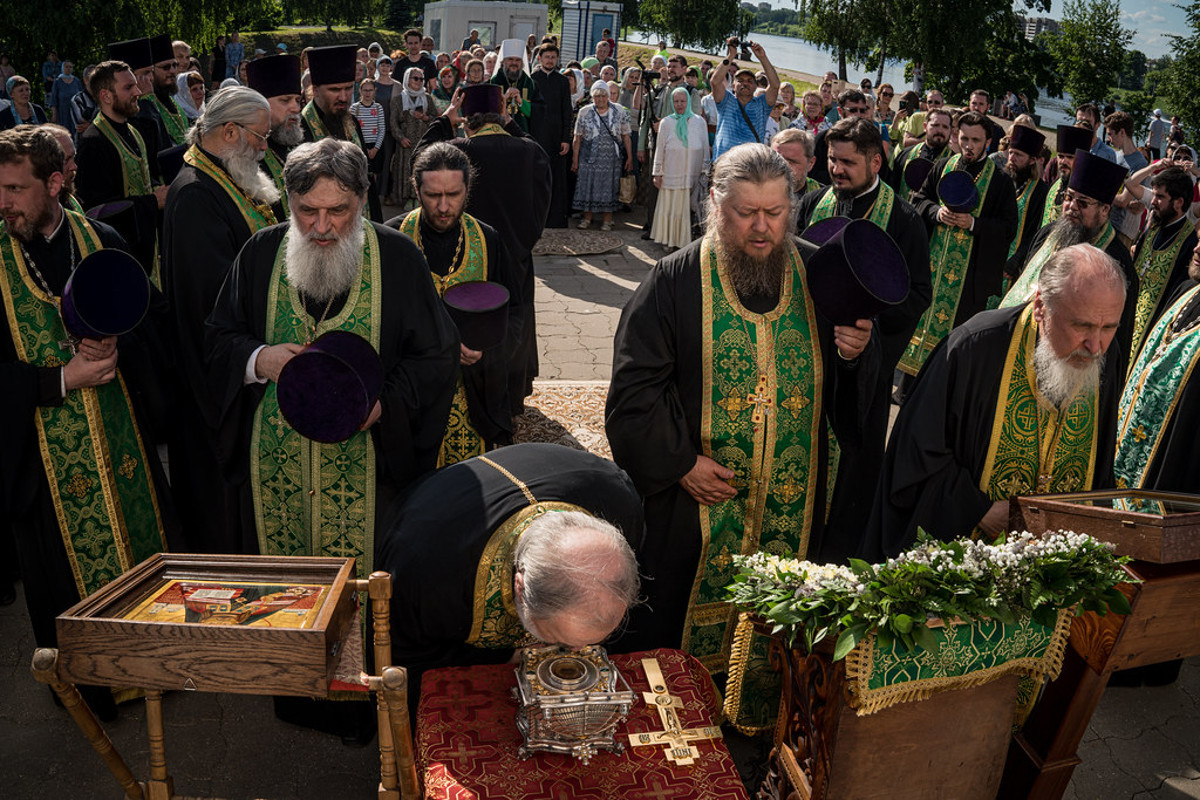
{"type": "Point", "coordinates": [761, 400]}
{"type": "Point", "coordinates": [677, 739]}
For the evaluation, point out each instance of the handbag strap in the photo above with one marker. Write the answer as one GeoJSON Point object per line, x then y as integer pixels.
{"type": "Point", "coordinates": [608, 127]}
{"type": "Point", "coordinates": [746, 117]}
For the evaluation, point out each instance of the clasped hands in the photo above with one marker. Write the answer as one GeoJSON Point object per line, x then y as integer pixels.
{"type": "Point", "coordinates": [94, 363]}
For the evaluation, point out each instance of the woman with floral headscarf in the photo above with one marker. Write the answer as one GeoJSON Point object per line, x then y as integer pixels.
{"type": "Point", "coordinates": [443, 92]}
{"type": "Point", "coordinates": [410, 116]}
{"type": "Point", "coordinates": [679, 157]}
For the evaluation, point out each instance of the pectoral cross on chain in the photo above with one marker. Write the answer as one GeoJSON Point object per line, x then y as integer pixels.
{"type": "Point", "coordinates": [678, 740]}
{"type": "Point", "coordinates": [761, 400]}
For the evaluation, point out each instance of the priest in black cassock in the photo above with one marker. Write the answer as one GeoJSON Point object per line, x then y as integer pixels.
{"type": "Point", "coordinates": [116, 164]}
{"type": "Point", "coordinates": [961, 446]}
{"type": "Point", "coordinates": [450, 546]}
{"type": "Point", "coordinates": [159, 103]}
{"type": "Point", "coordinates": [459, 249]}
{"type": "Point", "coordinates": [511, 193]}
{"type": "Point", "coordinates": [550, 125]}
{"type": "Point", "coordinates": [219, 200]}
{"type": "Point", "coordinates": [138, 55]}
{"type": "Point", "coordinates": [726, 383]}
{"type": "Point", "coordinates": [277, 78]}
{"type": "Point", "coordinates": [967, 248]}
{"type": "Point", "coordinates": [855, 153]}
{"type": "Point", "coordinates": [1024, 148]}
{"type": "Point", "coordinates": [934, 147]}
{"type": "Point", "coordinates": [328, 269]}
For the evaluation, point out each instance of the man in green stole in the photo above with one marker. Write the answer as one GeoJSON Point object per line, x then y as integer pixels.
{"type": "Point", "coordinates": [277, 78]}
{"type": "Point", "coordinates": [967, 249]}
{"type": "Point", "coordinates": [1017, 401]}
{"type": "Point", "coordinates": [934, 147]}
{"type": "Point", "coordinates": [1162, 253]}
{"type": "Point", "coordinates": [726, 385]}
{"type": "Point", "coordinates": [460, 248]}
{"type": "Point", "coordinates": [173, 125]}
{"type": "Point", "coordinates": [66, 195]}
{"type": "Point", "coordinates": [1025, 145]}
{"type": "Point", "coordinates": [1069, 138]}
{"type": "Point", "coordinates": [328, 113]}
{"type": "Point", "coordinates": [328, 269]}
{"type": "Point", "coordinates": [81, 487]}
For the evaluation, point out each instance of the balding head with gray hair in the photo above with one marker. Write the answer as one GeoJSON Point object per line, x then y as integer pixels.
{"type": "Point", "coordinates": [237, 105]}
{"type": "Point", "coordinates": [1076, 266]}
{"type": "Point", "coordinates": [233, 128]}
{"type": "Point", "coordinates": [344, 162]}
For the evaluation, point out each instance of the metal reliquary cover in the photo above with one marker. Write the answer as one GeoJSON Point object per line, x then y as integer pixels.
{"type": "Point", "coordinates": [571, 701]}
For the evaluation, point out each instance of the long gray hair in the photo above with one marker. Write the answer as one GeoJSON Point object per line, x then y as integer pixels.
{"type": "Point", "coordinates": [237, 104]}
{"type": "Point", "coordinates": [749, 163]}
{"type": "Point", "coordinates": [345, 162]}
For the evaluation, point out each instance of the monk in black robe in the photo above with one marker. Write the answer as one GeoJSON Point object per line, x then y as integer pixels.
{"type": "Point", "coordinates": [550, 125]}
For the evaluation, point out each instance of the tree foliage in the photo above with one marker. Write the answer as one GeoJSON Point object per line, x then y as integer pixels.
{"type": "Point", "coordinates": [703, 24]}
{"type": "Point", "coordinates": [1090, 48]}
{"type": "Point", "coordinates": [1182, 77]}
{"type": "Point", "coordinates": [849, 29]}
{"type": "Point", "coordinates": [1133, 71]}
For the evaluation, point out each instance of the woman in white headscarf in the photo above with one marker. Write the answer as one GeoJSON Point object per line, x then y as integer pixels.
{"type": "Point", "coordinates": [679, 157]}
{"type": "Point", "coordinates": [190, 99]}
{"type": "Point", "coordinates": [410, 116]}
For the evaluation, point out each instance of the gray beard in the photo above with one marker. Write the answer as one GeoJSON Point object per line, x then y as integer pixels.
{"type": "Point", "coordinates": [753, 276]}
{"type": "Point", "coordinates": [323, 272]}
{"type": "Point", "coordinates": [242, 166]}
{"type": "Point", "coordinates": [1066, 232]}
{"type": "Point", "coordinates": [512, 76]}
{"type": "Point", "coordinates": [1058, 380]}
{"type": "Point", "coordinates": [288, 135]}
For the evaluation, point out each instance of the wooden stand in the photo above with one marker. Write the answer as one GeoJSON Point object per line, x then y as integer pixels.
{"type": "Point", "coordinates": [391, 687]}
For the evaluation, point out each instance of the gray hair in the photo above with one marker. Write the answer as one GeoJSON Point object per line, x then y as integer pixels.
{"type": "Point", "coordinates": [793, 136]}
{"type": "Point", "coordinates": [750, 163]}
{"type": "Point", "coordinates": [600, 562]}
{"type": "Point", "coordinates": [345, 162]}
{"type": "Point", "coordinates": [1057, 273]}
{"type": "Point", "coordinates": [237, 104]}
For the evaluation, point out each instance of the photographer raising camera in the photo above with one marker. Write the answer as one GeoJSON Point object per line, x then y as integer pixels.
{"type": "Point", "coordinates": [742, 116]}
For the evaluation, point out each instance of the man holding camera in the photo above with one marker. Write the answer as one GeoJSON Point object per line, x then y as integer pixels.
{"type": "Point", "coordinates": [742, 116]}
{"type": "Point", "coordinates": [659, 107]}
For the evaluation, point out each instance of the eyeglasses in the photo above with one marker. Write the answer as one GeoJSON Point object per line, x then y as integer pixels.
{"type": "Point", "coordinates": [1077, 199]}
{"type": "Point", "coordinates": [262, 138]}
{"type": "Point", "coordinates": [887, 94]}
{"type": "Point", "coordinates": [933, 102]}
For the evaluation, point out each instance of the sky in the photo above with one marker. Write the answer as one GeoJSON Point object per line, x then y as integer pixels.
{"type": "Point", "coordinates": [1150, 21]}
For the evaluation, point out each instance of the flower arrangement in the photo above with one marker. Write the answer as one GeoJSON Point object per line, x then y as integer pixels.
{"type": "Point", "coordinates": [1019, 575]}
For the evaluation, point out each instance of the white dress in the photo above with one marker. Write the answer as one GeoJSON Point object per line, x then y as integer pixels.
{"type": "Point", "coordinates": [680, 169]}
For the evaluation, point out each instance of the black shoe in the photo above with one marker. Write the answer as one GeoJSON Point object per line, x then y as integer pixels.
{"type": "Point", "coordinates": [646, 234]}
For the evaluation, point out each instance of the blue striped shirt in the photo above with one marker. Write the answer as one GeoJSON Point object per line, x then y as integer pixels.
{"type": "Point", "coordinates": [732, 129]}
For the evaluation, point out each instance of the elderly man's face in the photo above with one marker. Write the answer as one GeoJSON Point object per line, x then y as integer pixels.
{"type": "Point", "coordinates": [796, 157]}
{"type": "Point", "coordinates": [755, 217]}
{"type": "Point", "coordinates": [333, 98]}
{"type": "Point", "coordinates": [601, 50]}
{"type": "Point", "coordinates": [1087, 211]}
{"type": "Point", "coordinates": [1082, 322]}
{"type": "Point", "coordinates": [327, 212]}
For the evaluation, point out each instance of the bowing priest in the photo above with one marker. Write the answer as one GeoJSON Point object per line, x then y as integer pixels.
{"type": "Point", "coordinates": [328, 269]}
{"type": "Point", "coordinates": [277, 78]}
{"type": "Point", "coordinates": [533, 542]}
{"type": "Point", "coordinates": [115, 164]}
{"type": "Point", "coordinates": [459, 249]}
{"type": "Point", "coordinates": [726, 385]}
{"type": "Point", "coordinates": [81, 516]}
{"type": "Point", "coordinates": [967, 247]}
{"type": "Point", "coordinates": [217, 202]}
{"type": "Point", "coordinates": [1024, 148]}
{"type": "Point", "coordinates": [520, 92]}
{"type": "Point", "coordinates": [855, 156]}
{"type": "Point", "coordinates": [1069, 139]}
{"type": "Point", "coordinates": [934, 147]}
{"type": "Point", "coordinates": [961, 446]}
{"type": "Point", "coordinates": [511, 191]}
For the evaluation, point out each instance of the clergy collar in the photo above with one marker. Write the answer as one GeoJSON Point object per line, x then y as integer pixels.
{"type": "Point", "coordinates": [62, 218]}
{"type": "Point", "coordinates": [213, 157]}
{"type": "Point", "coordinates": [874, 186]}
{"type": "Point", "coordinates": [114, 123]}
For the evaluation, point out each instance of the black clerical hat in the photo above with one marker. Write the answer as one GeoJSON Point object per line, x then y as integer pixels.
{"type": "Point", "coordinates": [161, 48]}
{"type": "Point", "coordinates": [134, 52]}
{"type": "Point", "coordinates": [1097, 177]}
{"type": "Point", "coordinates": [821, 232]}
{"type": "Point", "coordinates": [1071, 139]}
{"type": "Point", "coordinates": [1026, 139]}
{"type": "Point", "coordinates": [480, 310]}
{"type": "Point", "coordinates": [106, 295]}
{"type": "Point", "coordinates": [327, 391]}
{"type": "Point", "coordinates": [170, 161]}
{"type": "Point", "coordinates": [916, 171]}
{"type": "Point", "coordinates": [858, 273]}
{"type": "Point", "coordinates": [482, 98]}
{"type": "Point", "coordinates": [334, 64]}
{"type": "Point", "coordinates": [957, 191]}
{"type": "Point", "coordinates": [274, 76]}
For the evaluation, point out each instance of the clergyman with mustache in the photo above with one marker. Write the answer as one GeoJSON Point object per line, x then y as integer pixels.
{"type": "Point", "coordinates": [1016, 401]}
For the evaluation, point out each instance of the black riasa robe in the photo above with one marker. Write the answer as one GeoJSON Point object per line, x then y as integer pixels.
{"type": "Point", "coordinates": [936, 453]}
{"type": "Point", "coordinates": [486, 381]}
{"type": "Point", "coordinates": [550, 124]}
{"type": "Point", "coordinates": [858, 470]}
{"type": "Point", "coordinates": [511, 192]}
{"type": "Point", "coordinates": [418, 346]}
{"type": "Point", "coordinates": [653, 423]}
{"type": "Point", "coordinates": [1034, 208]}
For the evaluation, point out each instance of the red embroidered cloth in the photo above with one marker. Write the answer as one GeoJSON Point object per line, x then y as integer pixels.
{"type": "Point", "coordinates": [467, 741]}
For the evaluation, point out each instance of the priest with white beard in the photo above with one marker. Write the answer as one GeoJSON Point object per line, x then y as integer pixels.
{"type": "Point", "coordinates": [963, 445]}
{"type": "Point", "coordinates": [327, 269]}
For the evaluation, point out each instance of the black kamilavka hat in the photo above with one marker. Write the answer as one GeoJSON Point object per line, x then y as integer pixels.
{"type": "Point", "coordinates": [274, 76]}
{"type": "Point", "coordinates": [134, 52]}
{"type": "Point", "coordinates": [1096, 177]}
{"type": "Point", "coordinates": [333, 64]}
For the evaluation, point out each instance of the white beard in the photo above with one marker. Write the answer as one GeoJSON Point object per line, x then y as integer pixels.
{"type": "Point", "coordinates": [1058, 379]}
{"type": "Point", "coordinates": [242, 166]}
{"type": "Point", "coordinates": [289, 135]}
{"type": "Point", "coordinates": [323, 272]}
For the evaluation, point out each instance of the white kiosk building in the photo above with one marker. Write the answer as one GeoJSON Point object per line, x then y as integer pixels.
{"type": "Point", "coordinates": [450, 22]}
{"type": "Point", "coordinates": [582, 23]}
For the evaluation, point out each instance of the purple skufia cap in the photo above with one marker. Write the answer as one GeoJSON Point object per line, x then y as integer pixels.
{"type": "Point", "coordinates": [858, 273]}
{"type": "Point", "coordinates": [821, 232]}
{"type": "Point", "coordinates": [480, 310]}
{"type": "Point", "coordinates": [106, 295]}
{"type": "Point", "coordinates": [916, 171]}
{"type": "Point", "coordinates": [106, 211]}
{"type": "Point", "coordinates": [957, 190]}
{"type": "Point", "coordinates": [327, 391]}
{"type": "Point", "coordinates": [482, 98]}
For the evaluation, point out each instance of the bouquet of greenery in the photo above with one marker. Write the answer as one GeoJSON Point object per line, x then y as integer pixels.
{"type": "Point", "coordinates": [1019, 575]}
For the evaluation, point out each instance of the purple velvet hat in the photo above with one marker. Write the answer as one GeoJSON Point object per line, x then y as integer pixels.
{"type": "Point", "coordinates": [821, 232]}
{"type": "Point", "coordinates": [170, 161]}
{"type": "Point", "coordinates": [482, 98]}
{"type": "Point", "coordinates": [480, 310]}
{"type": "Point", "coordinates": [1071, 138]}
{"type": "Point", "coordinates": [1097, 177]}
{"type": "Point", "coordinates": [327, 391]}
{"type": "Point", "coordinates": [1027, 140]}
{"type": "Point", "coordinates": [857, 273]}
{"type": "Point", "coordinates": [916, 171]}
{"type": "Point", "coordinates": [957, 191]}
{"type": "Point", "coordinates": [106, 295]}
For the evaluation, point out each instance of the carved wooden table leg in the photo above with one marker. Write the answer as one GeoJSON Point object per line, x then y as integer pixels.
{"type": "Point", "coordinates": [160, 786]}
{"type": "Point", "coordinates": [395, 689]}
{"type": "Point", "coordinates": [45, 663]}
{"type": "Point", "coordinates": [379, 589]}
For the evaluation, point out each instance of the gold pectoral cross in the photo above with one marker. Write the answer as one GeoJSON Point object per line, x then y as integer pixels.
{"type": "Point", "coordinates": [678, 740]}
{"type": "Point", "coordinates": [761, 400]}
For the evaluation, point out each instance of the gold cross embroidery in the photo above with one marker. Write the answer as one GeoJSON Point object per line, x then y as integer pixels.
{"type": "Point", "coordinates": [796, 402]}
{"type": "Point", "coordinates": [733, 404]}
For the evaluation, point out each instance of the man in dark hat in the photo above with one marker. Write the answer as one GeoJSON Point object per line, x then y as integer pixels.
{"type": "Point", "coordinates": [328, 114]}
{"type": "Point", "coordinates": [460, 248]}
{"type": "Point", "coordinates": [219, 200]}
{"type": "Point", "coordinates": [116, 164]}
{"type": "Point", "coordinates": [1070, 138]}
{"type": "Point", "coordinates": [1016, 401]}
{"type": "Point", "coordinates": [726, 385]}
{"type": "Point", "coordinates": [1025, 145]}
{"type": "Point", "coordinates": [933, 147]}
{"type": "Point", "coordinates": [277, 78]}
{"type": "Point", "coordinates": [136, 53]}
{"type": "Point", "coordinates": [160, 102]}
{"type": "Point", "coordinates": [511, 193]}
{"type": "Point", "coordinates": [967, 247]}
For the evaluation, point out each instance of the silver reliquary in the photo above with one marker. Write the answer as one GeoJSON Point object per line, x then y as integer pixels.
{"type": "Point", "coordinates": [571, 701]}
